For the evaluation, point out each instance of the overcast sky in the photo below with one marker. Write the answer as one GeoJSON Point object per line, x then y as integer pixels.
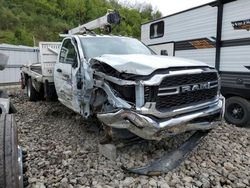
{"type": "Point", "coordinates": [172, 6]}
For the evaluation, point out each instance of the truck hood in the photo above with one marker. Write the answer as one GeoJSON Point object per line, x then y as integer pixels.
{"type": "Point", "coordinates": [140, 64]}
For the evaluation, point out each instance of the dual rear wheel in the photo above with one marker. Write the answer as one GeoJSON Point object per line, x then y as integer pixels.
{"type": "Point", "coordinates": [46, 91]}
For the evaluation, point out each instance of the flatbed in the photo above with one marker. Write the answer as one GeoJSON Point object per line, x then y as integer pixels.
{"type": "Point", "coordinates": [41, 72]}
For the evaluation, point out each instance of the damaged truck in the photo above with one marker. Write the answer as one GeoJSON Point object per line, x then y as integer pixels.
{"type": "Point", "coordinates": [127, 86]}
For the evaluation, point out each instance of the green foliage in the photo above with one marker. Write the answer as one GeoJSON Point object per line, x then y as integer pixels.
{"type": "Point", "coordinates": [26, 21]}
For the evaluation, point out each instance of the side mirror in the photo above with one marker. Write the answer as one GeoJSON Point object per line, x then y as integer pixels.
{"type": "Point", "coordinates": [164, 52]}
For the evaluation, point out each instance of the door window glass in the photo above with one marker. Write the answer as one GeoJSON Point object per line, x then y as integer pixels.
{"type": "Point", "coordinates": [68, 53]}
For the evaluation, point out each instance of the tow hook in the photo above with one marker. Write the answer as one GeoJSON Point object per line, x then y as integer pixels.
{"type": "Point", "coordinates": [170, 161]}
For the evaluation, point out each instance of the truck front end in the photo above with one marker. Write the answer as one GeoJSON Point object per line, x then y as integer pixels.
{"type": "Point", "coordinates": [165, 104]}
{"type": "Point", "coordinates": [151, 96]}
{"type": "Point", "coordinates": [155, 96]}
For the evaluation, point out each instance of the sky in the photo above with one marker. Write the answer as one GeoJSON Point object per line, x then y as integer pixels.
{"type": "Point", "coordinates": [172, 6]}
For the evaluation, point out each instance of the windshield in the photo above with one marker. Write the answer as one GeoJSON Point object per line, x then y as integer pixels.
{"type": "Point", "coordinates": [97, 46]}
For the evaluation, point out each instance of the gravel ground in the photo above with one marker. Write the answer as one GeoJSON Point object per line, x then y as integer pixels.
{"type": "Point", "coordinates": [63, 152]}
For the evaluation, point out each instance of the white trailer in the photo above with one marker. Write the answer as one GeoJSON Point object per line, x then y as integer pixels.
{"type": "Point", "coordinates": [218, 34]}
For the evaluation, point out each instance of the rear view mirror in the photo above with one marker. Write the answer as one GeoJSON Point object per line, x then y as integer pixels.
{"type": "Point", "coordinates": [164, 52]}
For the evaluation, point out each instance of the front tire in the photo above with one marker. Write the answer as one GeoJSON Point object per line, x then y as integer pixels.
{"type": "Point", "coordinates": [10, 167]}
{"type": "Point", "coordinates": [237, 111]}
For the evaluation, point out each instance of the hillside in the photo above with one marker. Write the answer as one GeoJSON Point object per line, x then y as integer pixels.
{"type": "Point", "coordinates": [28, 21]}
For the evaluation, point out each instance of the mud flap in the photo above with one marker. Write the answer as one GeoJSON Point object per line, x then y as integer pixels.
{"type": "Point", "coordinates": [171, 160]}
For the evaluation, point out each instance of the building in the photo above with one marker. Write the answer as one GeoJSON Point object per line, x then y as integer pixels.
{"type": "Point", "coordinates": [18, 56]}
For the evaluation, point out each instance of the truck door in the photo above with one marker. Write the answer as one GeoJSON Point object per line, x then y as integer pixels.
{"type": "Point", "coordinates": [63, 73]}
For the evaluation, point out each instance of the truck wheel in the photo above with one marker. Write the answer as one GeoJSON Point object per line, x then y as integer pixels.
{"type": "Point", "coordinates": [237, 111]}
{"type": "Point", "coordinates": [31, 92]}
{"type": "Point", "coordinates": [10, 161]}
{"type": "Point", "coordinates": [50, 91]}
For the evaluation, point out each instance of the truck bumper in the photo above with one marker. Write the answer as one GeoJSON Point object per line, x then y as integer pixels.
{"type": "Point", "coordinates": [151, 128]}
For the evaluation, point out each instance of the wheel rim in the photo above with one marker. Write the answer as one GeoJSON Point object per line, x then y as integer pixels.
{"type": "Point", "coordinates": [236, 111]}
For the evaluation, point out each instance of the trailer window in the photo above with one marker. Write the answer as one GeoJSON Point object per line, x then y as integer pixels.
{"type": "Point", "coordinates": [157, 30]}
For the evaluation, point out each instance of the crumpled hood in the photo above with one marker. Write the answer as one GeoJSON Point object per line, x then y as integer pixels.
{"type": "Point", "coordinates": [141, 64]}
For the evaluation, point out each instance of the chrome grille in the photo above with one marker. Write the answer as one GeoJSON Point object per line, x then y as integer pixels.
{"type": "Point", "coordinates": [173, 101]}
{"type": "Point", "coordinates": [189, 79]}
{"type": "Point", "coordinates": [203, 87]}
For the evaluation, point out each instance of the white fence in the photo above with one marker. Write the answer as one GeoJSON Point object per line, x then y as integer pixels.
{"type": "Point", "coordinates": [18, 56]}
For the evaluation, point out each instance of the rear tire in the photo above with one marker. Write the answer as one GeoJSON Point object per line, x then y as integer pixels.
{"type": "Point", "coordinates": [237, 111]}
{"type": "Point", "coordinates": [10, 167]}
{"type": "Point", "coordinates": [33, 95]}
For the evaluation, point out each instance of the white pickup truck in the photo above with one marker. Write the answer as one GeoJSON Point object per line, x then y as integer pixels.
{"type": "Point", "coordinates": [126, 86]}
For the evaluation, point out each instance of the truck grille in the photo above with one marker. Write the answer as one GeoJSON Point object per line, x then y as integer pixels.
{"type": "Point", "coordinates": [188, 79]}
{"type": "Point", "coordinates": [174, 100]}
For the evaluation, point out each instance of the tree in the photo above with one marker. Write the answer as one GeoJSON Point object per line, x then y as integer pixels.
{"type": "Point", "coordinates": [45, 19]}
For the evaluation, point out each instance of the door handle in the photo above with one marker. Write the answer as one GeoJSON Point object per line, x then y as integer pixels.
{"type": "Point", "coordinates": [59, 70]}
